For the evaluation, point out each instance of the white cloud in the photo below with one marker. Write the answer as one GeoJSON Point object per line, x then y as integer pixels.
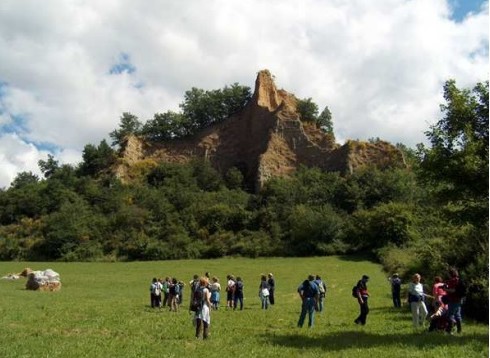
{"type": "Point", "coordinates": [379, 66]}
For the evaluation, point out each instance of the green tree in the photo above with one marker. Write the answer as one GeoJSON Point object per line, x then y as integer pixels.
{"type": "Point", "coordinates": [324, 121]}
{"type": "Point", "coordinates": [24, 178]}
{"type": "Point", "coordinates": [129, 124]}
{"type": "Point", "coordinates": [48, 167]}
{"type": "Point", "coordinates": [96, 159]}
{"type": "Point", "coordinates": [307, 109]}
{"type": "Point", "coordinates": [456, 164]}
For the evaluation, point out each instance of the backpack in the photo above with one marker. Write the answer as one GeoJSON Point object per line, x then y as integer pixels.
{"type": "Point", "coordinates": [321, 287]}
{"type": "Point", "coordinates": [157, 291]}
{"type": "Point", "coordinates": [308, 290]}
{"type": "Point", "coordinates": [461, 289]}
{"type": "Point", "coordinates": [172, 289]}
{"type": "Point", "coordinates": [197, 300]}
{"type": "Point", "coordinates": [355, 292]}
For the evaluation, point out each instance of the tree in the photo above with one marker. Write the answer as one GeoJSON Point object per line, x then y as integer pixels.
{"type": "Point", "coordinates": [24, 178]}
{"type": "Point", "coordinates": [307, 109]}
{"type": "Point", "coordinates": [324, 121]}
{"type": "Point", "coordinates": [129, 124]}
{"type": "Point", "coordinates": [96, 159]}
{"type": "Point", "coordinates": [48, 167]}
{"type": "Point", "coordinates": [457, 162]}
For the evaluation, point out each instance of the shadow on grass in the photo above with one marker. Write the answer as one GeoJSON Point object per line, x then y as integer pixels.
{"type": "Point", "coordinates": [358, 257]}
{"type": "Point", "coordinates": [359, 339]}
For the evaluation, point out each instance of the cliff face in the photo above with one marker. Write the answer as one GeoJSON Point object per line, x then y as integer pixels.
{"type": "Point", "coordinates": [266, 139]}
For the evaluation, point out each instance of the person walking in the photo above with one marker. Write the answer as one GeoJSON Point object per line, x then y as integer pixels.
{"type": "Point", "coordinates": [396, 285]}
{"type": "Point", "coordinates": [202, 315]}
{"type": "Point", "coordinates": [362, 299]}
{"type": "Point", "coordinates": [416, 297]}
{"type": "Point", "coordinates": [309, 294]}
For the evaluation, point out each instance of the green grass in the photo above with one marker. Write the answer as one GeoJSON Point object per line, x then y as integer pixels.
{"type": "Point", "coordinates": [103, 310]}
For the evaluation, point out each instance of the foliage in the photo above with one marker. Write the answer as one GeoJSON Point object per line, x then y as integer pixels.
{"type": "Point", "coordinates": [129, 125]}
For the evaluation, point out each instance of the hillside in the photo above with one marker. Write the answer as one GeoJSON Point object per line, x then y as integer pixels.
{"type": "Point", "coordinates": [266, 139]}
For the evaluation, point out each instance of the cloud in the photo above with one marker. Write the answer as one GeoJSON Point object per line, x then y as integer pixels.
{"type": "Point", "coordinates": [67, 72]}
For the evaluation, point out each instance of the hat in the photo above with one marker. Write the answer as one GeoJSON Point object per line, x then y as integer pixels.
{"type": "Point", "coordinates": [365, 277]}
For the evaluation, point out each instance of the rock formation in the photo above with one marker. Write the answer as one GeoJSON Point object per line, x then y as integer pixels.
{"type": "Point", "coordinates": [266, 139]}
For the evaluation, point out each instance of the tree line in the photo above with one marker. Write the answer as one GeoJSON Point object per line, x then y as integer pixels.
{"type": "Point", "coordinates": [425, 218]}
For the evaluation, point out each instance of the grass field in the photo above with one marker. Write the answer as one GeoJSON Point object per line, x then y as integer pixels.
{"type": "Point", "coordinates": [103, 310]}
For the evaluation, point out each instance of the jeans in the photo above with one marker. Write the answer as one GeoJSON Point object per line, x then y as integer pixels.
{"type": "Point", "coordinates": [308, 306]}
{"type": "Point", "coordinates": [321, 303]}
{"type": "Point", "coordinates": [396, 299]}
{"type": "Point", "coordinates": [265, 302]}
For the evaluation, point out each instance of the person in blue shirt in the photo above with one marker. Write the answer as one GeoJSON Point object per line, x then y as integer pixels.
{"type": "Point", "coordinates": [310, 294]}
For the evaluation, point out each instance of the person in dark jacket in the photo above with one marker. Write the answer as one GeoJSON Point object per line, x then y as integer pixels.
{"type": "Point", "coordinates": [362, 299]}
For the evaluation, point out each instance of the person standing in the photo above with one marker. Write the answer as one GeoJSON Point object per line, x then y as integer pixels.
{"type": "Point", "coordinates": [272, 287]}
{"type": "Point", "coordinates": [438, 292]}
{"type": "Point", "coordinates": [455, 294]}
{"type": "Point", "coordinates": [264, 292]}
{"type": "Point", "coordinates": [238, 294]}
{"type": "Point", "coordinates": [215, 289]}
{"type": "Point", "coordinates": [202, 316]}
{"type": "Point", "coordinates": [155, 293]}
{"type": "Point", "coordinates": [362, 299]}
{"type": "Point", "coordinates": [309, 293]}
{"type": "Point", "coordinates": [416, 297]}
{"type": "Point", "coordinates": [230, 291]}
{"type": "Point", "coordinates": [396, 285]}
{"type": "Point", "coordinates": [322, 287]}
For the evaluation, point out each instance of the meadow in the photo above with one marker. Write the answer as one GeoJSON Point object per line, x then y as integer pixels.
{"type": "Point", "coordinates": [103, 310]}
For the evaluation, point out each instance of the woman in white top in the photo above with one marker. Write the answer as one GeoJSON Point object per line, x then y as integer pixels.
{"type": "Point", "coordinates": [416, 297]}
{"type": "Point", "coordinates": [203, 314]}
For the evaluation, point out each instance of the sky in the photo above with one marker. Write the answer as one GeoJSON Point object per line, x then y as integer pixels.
{"type": "Point", "coordinates": [70, 68]}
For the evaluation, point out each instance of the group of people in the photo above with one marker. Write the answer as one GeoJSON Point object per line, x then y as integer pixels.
{"type": "Point", "coordinates": [447, 297]}
{"type": "Point", "coordinates": [166, 292]}
{"type": "Point", "coordinates": [235, 291]}
{"type": "Point", "coordinates": [205, 295]}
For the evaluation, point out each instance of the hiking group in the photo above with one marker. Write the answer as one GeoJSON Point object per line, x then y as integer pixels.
{"type": "Point", "coordinates": [444, 311]}
{"type": "Point", "coordinates": [442, 307]}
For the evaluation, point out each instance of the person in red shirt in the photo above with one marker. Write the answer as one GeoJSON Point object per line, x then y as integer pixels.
{"type": "Point", "coordinates": [454, 301]}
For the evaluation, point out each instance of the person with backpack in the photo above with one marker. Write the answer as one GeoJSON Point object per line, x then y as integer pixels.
{"type": "Point", "coordinates": [456, 292]}
{"type": "Point", "coordinates": [322, 287]}
{"type": "Point", "coordinates": [264, 292]}
{"type": "Point", "coordinates": [201, 307]}
{"type": "Point", "coordinates": [360, 291]}
{"type": "Point", "coordinates": [174, 292]}
{"type": "Point", "coordinates": [309, 293]}
{"type": "Point", "coordinates": [155, 293]}
{"type": "Point", "coordinates": [396, 285]}
{"type": "Point", "coordinates": [238, 294]}
{"type": "Point", "coordinates": [165, 288]}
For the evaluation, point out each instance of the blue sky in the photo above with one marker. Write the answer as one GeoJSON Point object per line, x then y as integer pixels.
{"type": "Point", "coordinates": [68, 71]}
{"type": "Point", "coordinates": [463, 7]}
